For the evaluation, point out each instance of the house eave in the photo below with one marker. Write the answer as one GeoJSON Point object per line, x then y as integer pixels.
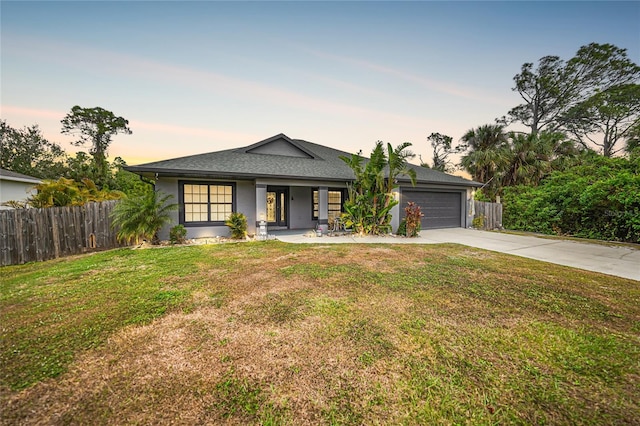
{"type": "Point", "coordinates": [463, 183]}
{"type": "Point", "coordinates": [203, 174]}
{"type": "Point", "coordinates": [154, 173]}
{"type": "Point", "coordinates": [21, 180]}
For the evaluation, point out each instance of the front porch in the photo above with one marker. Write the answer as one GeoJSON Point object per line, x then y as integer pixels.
{"type": "Point", "coordinates": [298, 206]}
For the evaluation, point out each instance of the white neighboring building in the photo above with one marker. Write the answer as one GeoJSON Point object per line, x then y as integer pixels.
{"type": "Point", "coordinates": [15, 187]}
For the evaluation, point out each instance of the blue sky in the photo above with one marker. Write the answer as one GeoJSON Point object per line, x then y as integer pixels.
{"type": "Point", "coordinates": [195, 77]}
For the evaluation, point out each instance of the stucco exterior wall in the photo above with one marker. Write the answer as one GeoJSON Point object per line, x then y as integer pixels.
{"type": "Point", "coordinates": [169, 186]}
{"type": "Point", "coordinates": [245, 203]}
{"type": "Point", "coordinates": [300, 208]}
{"type": "Point", "coordinates": [470, 207]}
{"type": "Point", "coordinates": [15, 191]}
{"type": "Point", "coordinates": [396, 211]}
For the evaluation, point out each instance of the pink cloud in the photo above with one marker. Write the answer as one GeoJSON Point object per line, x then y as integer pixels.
{"type": "Point", "coordinates": [37, 113]}
{"type": "Point", "coordinates": [431, 84]}
{"type": "Point", "coordinates": [31, 112]}
{"type": "Point", "coordinates": [194, 131]}
{"type": "Point", "coordinates": [113, 63]}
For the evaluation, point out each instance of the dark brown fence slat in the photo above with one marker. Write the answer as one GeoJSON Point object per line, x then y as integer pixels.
{"type": "Point", "coordinates": [54, 232]}
{"type": "Point", "coordinates": [491, 212]}
{"type": "Point", "coordinates": [28, 235]}
{"type": "Point", "coordinates": [4, 236]}
{"type": "Point", "coordinates": [67, 224]}
{"type": "Point", "coordinates": [22, 242]}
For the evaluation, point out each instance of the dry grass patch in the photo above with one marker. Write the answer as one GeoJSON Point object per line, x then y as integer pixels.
{"type": "Point", "coordinates": [270, 333]}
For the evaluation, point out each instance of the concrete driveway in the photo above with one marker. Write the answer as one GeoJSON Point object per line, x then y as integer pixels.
{"type": "Point", "coordinates": [612, 259]}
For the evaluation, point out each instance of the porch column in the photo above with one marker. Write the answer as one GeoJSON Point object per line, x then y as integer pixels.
{"type": "Point", "coordinates": [323, 208]}
{"type": "Point", "coordinates": [261, 203]}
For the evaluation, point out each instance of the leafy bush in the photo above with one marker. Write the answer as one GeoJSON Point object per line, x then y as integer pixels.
{"type": "Point", "coordinates": [237, 223]}
{"type": "Point", "coordinates": [402, 228]}
{"type": "Point", "coordinates": [15, 204]}
{"type": "Point", "coordinates": [142, 217]}
{"type": "Point", "coordinates": [178, 234]}
{"type": "Point", "coordinates": [368, 209]}
{"type": "Point", "coordinates": [478, 222]}
{"type": "Point", "coordinates": [67, 192]}
{"type": "Point", "coordinates": [599, 199]}
{"type": "Point", "coordinates": [481, 196]}
{"type": "Point", "coordinates": [412, 218]}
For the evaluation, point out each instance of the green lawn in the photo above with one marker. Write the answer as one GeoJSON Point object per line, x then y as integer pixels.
{"type": "Point", "coordinates": [274, 333]}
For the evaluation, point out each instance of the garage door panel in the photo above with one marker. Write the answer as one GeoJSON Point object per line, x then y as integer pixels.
{"type": "Point", "coordinates": [440, 209]}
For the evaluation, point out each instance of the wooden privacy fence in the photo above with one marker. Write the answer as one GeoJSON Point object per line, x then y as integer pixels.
{"type": "Point", "coordinates": [491, 214]}
{"type": "Point", "coordinates": [28, 235]}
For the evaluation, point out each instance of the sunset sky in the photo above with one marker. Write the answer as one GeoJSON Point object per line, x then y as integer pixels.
{"type": "Point", "coordinates": [194, 77]}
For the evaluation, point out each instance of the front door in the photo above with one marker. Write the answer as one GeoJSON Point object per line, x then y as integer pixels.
{"type": "Point", "coordinates": [277, 205]}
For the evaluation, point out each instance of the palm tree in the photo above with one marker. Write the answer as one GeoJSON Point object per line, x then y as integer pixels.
{"type": "Point", "coordinates": [530, 160]}
{"type": "Point", "coordinates": [487, 155]}
{"type": "Point", "coordinates": [67, 192]}
{"type": "Point", "coordinates": [397, 162]}
{"type": "Point", "coordinates": [534, 156]}
{"type": "Point", "coordinates": [142, 217]}
{"type": "Point", "coordinates": [489, 136]}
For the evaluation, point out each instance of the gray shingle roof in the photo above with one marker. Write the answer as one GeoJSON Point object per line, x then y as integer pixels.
{"type": "Point", "coordinates": [19, 177]}
{"type": "Point", "coordinates": [325, 165]}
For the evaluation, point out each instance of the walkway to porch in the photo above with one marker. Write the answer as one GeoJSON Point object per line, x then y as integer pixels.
{"type": "Point", "coordinates": [309, 236]}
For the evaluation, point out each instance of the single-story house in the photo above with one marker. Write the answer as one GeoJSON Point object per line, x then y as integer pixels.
{"type": "Point", "coordinates": [289, 184]}
{"type": "Point", "coordinates": [15, 187]}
